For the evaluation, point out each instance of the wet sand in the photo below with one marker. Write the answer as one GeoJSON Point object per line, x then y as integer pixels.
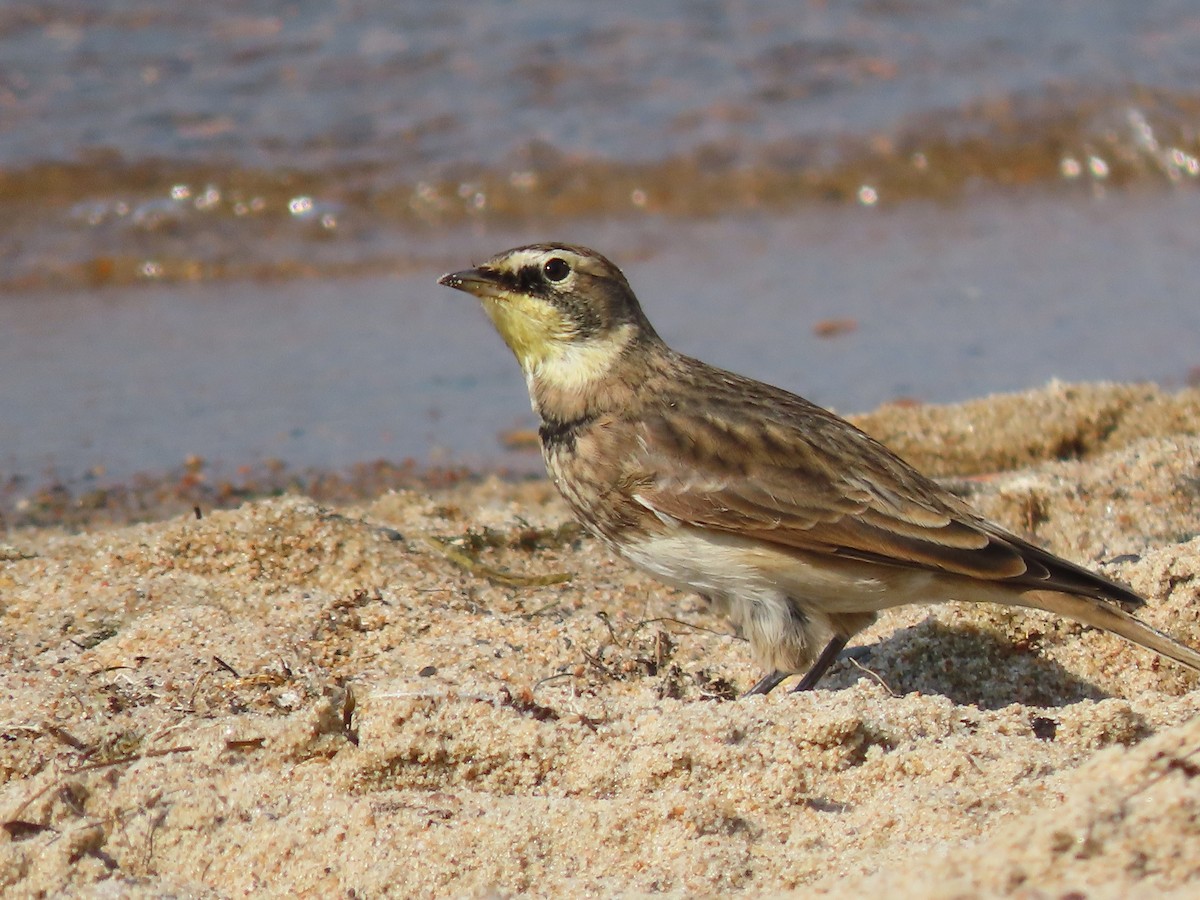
{"type": "Point", "coordinates": [388, 698]}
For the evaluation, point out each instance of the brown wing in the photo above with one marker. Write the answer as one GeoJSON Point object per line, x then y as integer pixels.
{"type": "Point", "coordinates": [770, 465]}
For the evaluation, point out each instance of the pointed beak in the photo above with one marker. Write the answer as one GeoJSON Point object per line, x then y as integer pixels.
{"type": "Point", "coordinates": [480, 282]}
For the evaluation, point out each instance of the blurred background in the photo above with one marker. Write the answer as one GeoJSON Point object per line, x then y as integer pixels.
{"type": "Point", "coordinates": [221, 223]}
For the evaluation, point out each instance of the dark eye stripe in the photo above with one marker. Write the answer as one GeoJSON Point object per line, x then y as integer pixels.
{"type": "Point", "coordinates": [529, 280]}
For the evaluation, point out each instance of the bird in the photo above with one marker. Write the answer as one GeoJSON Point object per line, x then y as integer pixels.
{"type": "Point", "coordinates": [787, 519]}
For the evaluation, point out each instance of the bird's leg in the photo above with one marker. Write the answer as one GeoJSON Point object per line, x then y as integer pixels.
{"type": "Point", "coordinates": [767, 683]}
{"type": "Point", "coordinates": [827, 658]}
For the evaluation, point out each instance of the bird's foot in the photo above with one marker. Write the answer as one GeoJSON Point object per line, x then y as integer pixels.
{"type": "Point", "coordinates": [766, 684]}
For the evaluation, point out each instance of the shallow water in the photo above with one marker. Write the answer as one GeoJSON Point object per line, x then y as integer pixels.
{"type": "Point", "coordinates": [223, 222]}
{"type": "Point", "coordinates": [944, 304]}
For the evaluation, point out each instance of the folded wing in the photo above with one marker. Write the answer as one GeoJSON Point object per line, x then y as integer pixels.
{"type": "Point", "coordinates": [793, 474]}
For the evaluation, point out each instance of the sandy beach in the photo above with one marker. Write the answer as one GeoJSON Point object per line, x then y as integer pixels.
{"type": "Point", "coordinates": [456, 693]}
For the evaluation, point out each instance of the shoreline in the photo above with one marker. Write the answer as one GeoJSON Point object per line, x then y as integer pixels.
{"type": "Point", "coordinates": [306, 694]}
{"type": "Point", "coordinates": [999, 432]}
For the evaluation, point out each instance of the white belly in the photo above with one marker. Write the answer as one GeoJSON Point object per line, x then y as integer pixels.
{"type": "Point", "coordinates": [779, 600]}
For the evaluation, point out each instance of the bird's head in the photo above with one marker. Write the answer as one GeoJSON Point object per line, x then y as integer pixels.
{"type": "Point", "coordinates": [567, 313]}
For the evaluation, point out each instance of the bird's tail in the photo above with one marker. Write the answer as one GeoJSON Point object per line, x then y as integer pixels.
{"type": "Point", "coordinates": [1110, 617]}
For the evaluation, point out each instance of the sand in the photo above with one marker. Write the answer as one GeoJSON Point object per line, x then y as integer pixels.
{"type": "Point", "coordinates": [390, 699]}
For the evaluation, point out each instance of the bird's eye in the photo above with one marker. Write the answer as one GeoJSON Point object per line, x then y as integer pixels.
{"type": "Point", "coordinates": [556, 269]}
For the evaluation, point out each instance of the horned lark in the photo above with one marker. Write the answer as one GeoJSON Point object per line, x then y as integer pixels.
{"type": "Point", "coordinates": [791, 521]}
